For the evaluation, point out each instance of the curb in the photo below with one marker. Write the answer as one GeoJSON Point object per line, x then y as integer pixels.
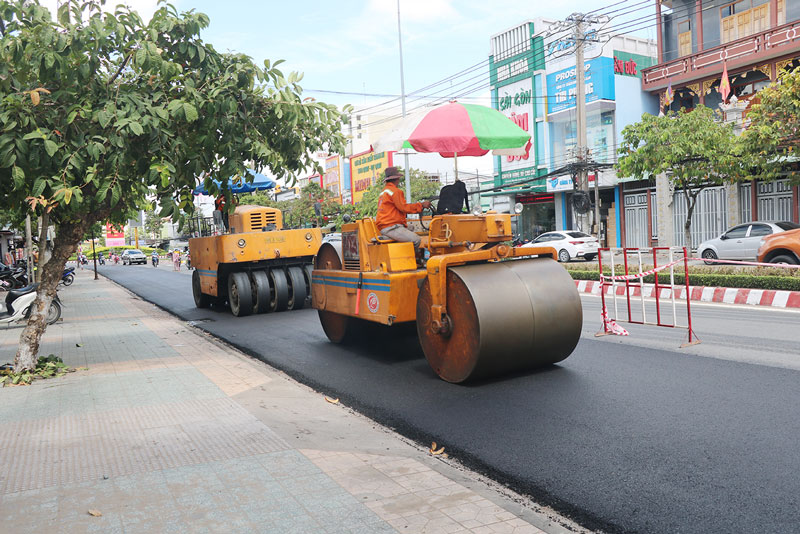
{"type": "Point", "coordinates": [727, 295]}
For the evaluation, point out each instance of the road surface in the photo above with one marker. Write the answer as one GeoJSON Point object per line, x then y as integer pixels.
{"type": "Point", "coordinates": [629, 434]}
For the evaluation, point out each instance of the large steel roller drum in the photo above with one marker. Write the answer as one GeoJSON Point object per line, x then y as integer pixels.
{"type": "Point", "coordinates": [506, 316]}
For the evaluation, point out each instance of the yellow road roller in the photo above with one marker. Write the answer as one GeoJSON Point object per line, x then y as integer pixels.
{"type": "Point", "coordinates": [257, 266]}
{"type": "Point", "coordinates": [482, 308]}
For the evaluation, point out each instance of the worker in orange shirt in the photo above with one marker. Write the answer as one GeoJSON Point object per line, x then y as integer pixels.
{"type": "Point", "coordinates": [392, 210]}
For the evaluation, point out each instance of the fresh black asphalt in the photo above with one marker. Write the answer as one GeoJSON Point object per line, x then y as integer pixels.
{"type": "Point", "coordinates": [618, 437]}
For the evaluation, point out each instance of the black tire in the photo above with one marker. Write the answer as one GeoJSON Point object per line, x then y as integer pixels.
{"type": "Point", "coordinates": [297, 288]}
{"type": "Point", "coordinates": [279, 290]}
{"type": "Point", "coordinates": [240, 294]}
{"type": "Point", "coordinates": [589, 257]}
{"type": "Point", "coordinates": [201, 300]}
{"type": "Point", "coordinates": [261, 291]}
{"type": "Point", "coordinates": [563, 255]}
{"type": "Point", "coordinates": [54, 312]}
{"type": "Point", "coordinates": [69, 279]}
{"type": "Point", "coordinates": [785, 259]}
{"type": "Point", "coordinates": [709, 255]}
{"type": "Point", "coordinates": [307, 270]}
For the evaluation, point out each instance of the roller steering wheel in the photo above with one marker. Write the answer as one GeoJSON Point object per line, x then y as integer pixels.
{"type": "Point", "coordinates": [432, 212]}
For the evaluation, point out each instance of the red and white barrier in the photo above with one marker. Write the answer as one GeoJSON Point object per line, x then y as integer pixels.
{"type": "Point", "coordinates": [753, 297]}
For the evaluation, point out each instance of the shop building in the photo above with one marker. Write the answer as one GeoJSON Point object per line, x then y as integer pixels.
{"type": "Point", "coordinates": [754, 40]}
{"type": "Point", "coordinates": [517, 77]}
{"type": "Point", "coordinates": [614, 99]}
{"type": "Point", "coordinates": [534, 83]}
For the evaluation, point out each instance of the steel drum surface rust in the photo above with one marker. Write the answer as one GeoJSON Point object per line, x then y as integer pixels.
{"type": "Point", "coordinates": [507, 316]}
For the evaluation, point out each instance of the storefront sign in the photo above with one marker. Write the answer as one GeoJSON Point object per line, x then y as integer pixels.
{"type": "Point", "coordinates": [115, 235]}
{"type": "Point", "coordinates": [330, 180]}
{"type": "Point", "coordinates": [598, 79]}
{"type": "Point", "coordinates": [565, 44]}
{"type": "Point", "coordinates": [515, 100]}
{"type": "Point", "coordinates": [627, 64]}
{"type": "Point", "coordinates": [559, 183]}
{"type": "Point", "coordinates": [365, 169]}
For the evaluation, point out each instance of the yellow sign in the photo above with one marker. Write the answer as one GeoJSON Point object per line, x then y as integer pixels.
{"type": "Point", "coordinates": [366, 169]}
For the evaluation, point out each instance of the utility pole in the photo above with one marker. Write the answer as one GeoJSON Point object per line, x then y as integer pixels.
{"type": "Point", "coordinates": [580, 85]}
{"type": "Point", "coordinates": [580, 25]}
{"type": "Point", "coordinates": [403, 96]}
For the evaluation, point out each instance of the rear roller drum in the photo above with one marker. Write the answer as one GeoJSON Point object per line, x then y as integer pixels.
{"type": "Point", "coordinates": [240, 294]}
{"type": "Point", "coordinates": [297, 288]}
{"type": "Point", "coordinates": [279, 290]}
{"type": "Point", "coordinates": [261, 291]}
{"type": "Point", "coordinates": [502, 317]}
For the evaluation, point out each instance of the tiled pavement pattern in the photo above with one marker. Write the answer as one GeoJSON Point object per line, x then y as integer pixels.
{"type": "Point", "coordinates": [148, 432]}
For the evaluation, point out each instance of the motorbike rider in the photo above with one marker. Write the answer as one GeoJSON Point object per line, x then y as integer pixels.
{"type": "Point", "coordinates": [154, 258]}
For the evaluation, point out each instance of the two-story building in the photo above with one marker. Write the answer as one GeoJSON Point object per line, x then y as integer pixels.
{"type": "Point", "coordinates": [697, 39]}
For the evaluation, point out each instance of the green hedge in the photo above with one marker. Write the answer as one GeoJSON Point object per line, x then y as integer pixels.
{"type": "Point", "coordinates": [744, 281]}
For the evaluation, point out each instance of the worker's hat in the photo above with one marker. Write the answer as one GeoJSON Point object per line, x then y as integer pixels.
{"type": "Point", "coordinates": [391, 173]}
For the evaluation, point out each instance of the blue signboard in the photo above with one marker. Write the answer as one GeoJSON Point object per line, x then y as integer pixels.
{"type": "Point", "coordinates": [599, 80]}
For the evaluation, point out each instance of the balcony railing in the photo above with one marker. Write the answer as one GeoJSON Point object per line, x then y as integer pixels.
{"type": "Point", "coordinates": [749, 50]}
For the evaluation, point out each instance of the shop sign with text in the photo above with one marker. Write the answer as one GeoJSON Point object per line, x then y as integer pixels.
{"type": "Point", "coordinates": [365, 169]}
{"type": "Point", "coordinates": [115, 235]}
{"type": "Point", "coordinates": [598, 80]}
{"type": "Point", "coordinates": [515, 100]}
{"type": "Point", "coordinates": [330, 180]}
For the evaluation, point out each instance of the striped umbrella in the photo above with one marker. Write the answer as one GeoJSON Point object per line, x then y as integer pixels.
{"type": "Point", "coordinates": [457, 129]}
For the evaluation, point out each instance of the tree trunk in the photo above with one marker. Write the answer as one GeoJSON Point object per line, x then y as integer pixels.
{"type": "Point", "coordinates": [50, 271]}
{"type": "Point", "coordinates": [691, 201]}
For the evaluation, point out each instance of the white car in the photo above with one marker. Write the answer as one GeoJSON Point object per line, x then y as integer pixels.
{"type": "Point", "coordinates": [742, 241]}
{"type": "Point", "coordinates": [569, 244]}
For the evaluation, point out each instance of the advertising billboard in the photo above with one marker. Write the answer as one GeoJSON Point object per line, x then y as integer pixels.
{"type": "Point", "coordinates": [115, 235]}
{"type": "Point", "coordinates": [365, 169]}
{"type": "Point", "coordinates": [330, 180]}
{"type": "Point", "coordinates": [598, 79]}
{"type": "Point", "coordinates": [515, 101]}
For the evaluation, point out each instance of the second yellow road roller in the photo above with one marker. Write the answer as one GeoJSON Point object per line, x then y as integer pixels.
{"type": "Point", "coordinates": [482, 307]}
{"type": "Point", "coordinates": [257, 266]}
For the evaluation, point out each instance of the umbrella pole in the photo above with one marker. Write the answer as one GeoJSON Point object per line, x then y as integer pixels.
{"type": "Point", "coordinates": [455, 160]}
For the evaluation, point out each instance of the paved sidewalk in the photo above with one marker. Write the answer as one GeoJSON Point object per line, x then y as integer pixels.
{"type": "Point", "coordinates": [164, 429]}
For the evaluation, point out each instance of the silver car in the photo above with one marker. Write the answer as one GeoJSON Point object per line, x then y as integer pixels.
{"type": "Point", "coordinates": [742, 241]}
{"type": "Point", "coordinates": [131, 256]}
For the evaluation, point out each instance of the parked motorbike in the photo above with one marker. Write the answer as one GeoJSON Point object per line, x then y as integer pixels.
{"type": "Point", "coordinates": [68, 276]}
{"type": "Point", "coordinates": [17, 306]}
{"type": "Point", "coordinates": [14, 278]}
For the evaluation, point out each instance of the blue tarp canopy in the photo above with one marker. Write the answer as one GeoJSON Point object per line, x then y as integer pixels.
{"type": "Point", "coordinates": [241, 185]}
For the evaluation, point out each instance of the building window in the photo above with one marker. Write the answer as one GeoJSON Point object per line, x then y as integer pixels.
{"type": "Point", "coordinates": [746, 17]}
{"type": "Point", "coordinates": [684, 38]}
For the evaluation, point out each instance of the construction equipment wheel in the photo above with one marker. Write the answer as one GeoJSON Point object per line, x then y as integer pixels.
{"type": "Point", "coordinates": [503, 317]}
{"type": "Point", "coordinates": [201, 300]}
{"type": "Point", "coordinates": [297, 288]}
{"type": "Point", "coordinates": [307, 270]}
{"type": "Point", "coordinates": [261, 291]}
{"type": "Point", "coordinates": [240, 294]}
{"type": "Point", "coordinates": [279, 290]}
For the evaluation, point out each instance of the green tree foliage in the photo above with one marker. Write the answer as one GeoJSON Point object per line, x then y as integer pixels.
{"type": "Point", "coordinates": [772, 140]}
{"type": "Point", "coordinates": [695, 149]}
{"type": "Point", "coordinates": [421, 189]}
{"type": "Point", "coordinates": [99, 109]}
{"type": "Point", "coordinates": [152, 222]}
